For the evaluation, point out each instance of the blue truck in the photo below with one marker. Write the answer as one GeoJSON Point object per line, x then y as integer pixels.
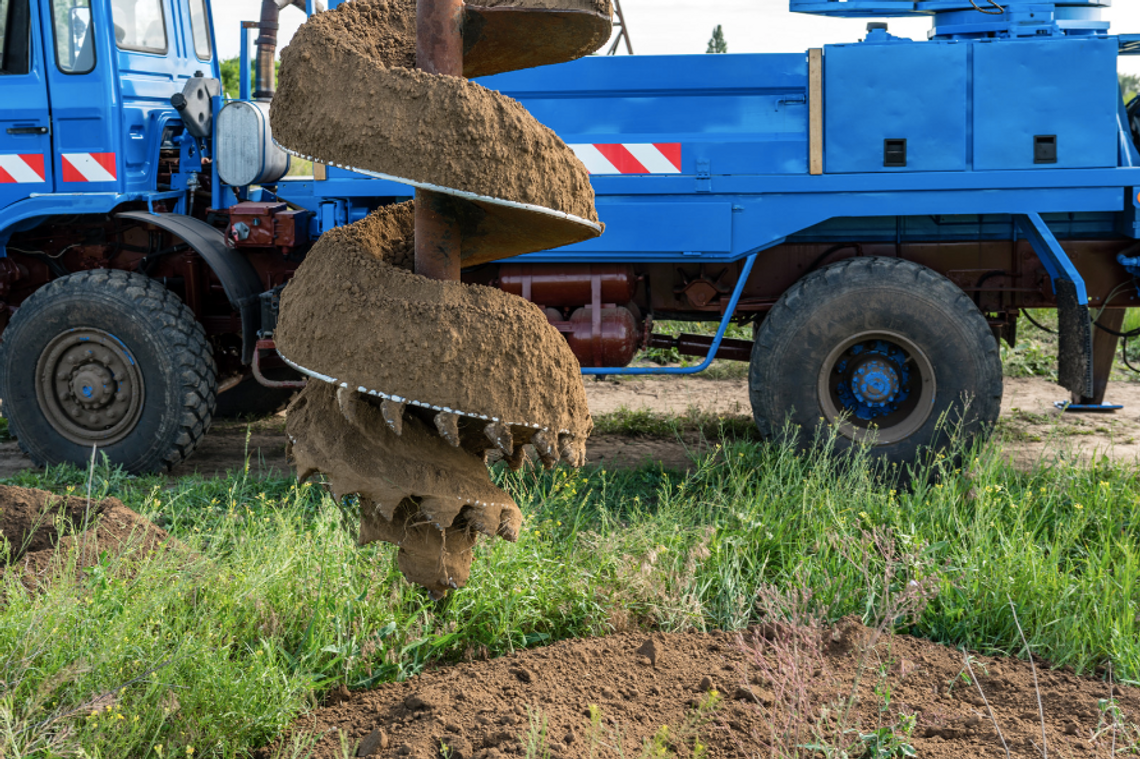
{"type": "Point", "coordinates": [880, 212]}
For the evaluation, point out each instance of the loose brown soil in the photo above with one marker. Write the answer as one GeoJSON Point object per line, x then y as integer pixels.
{"type": "Point", "coordinates": [40, 528]}
{"type": "Point", "coordinates": [640, 683]}
{"type": "Point", "coordinates": [416, 491]}
{"type": "Point", "coordinates": [347, 95]}
{"type": "Point", "coordinates": [352, 316]}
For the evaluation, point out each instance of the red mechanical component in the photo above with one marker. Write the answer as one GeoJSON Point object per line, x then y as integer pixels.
{"type": "Point", "coordinates": [267, 225]}
{"type": "Point", "coordinates": [569, 285]}
{"type": "Point", "coordinates": [611, 339]}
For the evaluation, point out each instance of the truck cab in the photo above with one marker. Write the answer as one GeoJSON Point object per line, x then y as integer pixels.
{"type": "Point", "coordinates": [87, 87]}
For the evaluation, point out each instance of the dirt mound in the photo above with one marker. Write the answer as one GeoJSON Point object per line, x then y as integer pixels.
{"type": "Point", "coordinates": [635, 684]}
{"type": "Point", "coordinates": [350, 315]}
{"type": "Point", "coordinates": [347, 95]}
{"type": "Point", "coordinates": [415, 489]}
{"type": "Point", "coordinates": [39, 527]}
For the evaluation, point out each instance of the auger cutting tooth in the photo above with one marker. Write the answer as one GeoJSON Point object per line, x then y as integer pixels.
{"type": "Point", "coordinates": [542, 444]}
{"type": "Point", "coordinates": [348, 402]}
{"type": "Point", "coordinates": [448, 426]}
{"type": "Point", "coordinates": [566, 448]}
{"type": "Point", "coordinates": [517, 458]}
{"type": "Point", "coordinates": [545, 449]}
{"type": "Point", "coordinates": [394, 415]}
{"type": "Point", "coordinates": [500, 434]}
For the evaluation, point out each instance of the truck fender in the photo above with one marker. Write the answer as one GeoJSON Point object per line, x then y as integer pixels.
{"type": "Point", "coordinates": [239, 279]}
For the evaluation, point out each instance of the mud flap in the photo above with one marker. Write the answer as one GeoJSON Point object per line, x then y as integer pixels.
{"type": "Point", "coordinates": [1074, 351]}
{"type": "Point", "coordinates": [239, 279]}
{"type": "Point", "coordinates": [1074, 354]}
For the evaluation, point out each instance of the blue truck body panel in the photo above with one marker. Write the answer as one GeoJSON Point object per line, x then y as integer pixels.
{"type": "Point", "coordinates": [104, 111]}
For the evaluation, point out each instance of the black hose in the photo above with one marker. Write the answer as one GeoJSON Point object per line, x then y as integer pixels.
{"type": "Point", "coordinates": [1038, 326]}
{"type": "Point", "coordinates": [1124, 355]}
{"type": "Point", "coordinates": [1126, 335]}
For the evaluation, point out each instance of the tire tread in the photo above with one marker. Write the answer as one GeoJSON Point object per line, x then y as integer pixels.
{"type": "Point", "coordinates": [194, 359]}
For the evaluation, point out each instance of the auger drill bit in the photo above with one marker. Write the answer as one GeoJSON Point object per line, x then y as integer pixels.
{"type": "Point", "coordinates": [420, 376]}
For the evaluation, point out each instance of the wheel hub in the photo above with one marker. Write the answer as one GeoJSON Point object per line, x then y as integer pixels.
{"type": "Point", "coordinates": [879, 380]}
{"type": "Point", "coordinates": [93, 386]}
{"type": "Point", "coordinates": [875, 383]}
{"type": "Point", "coordinates": [90, 387]}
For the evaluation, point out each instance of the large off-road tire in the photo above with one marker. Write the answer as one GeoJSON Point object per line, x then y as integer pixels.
{"type": "Point", "coordinates": [891, 352]}
{"type": "Point", "coordinates": [106, 359]}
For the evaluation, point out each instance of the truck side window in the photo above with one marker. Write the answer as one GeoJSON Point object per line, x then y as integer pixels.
{"type": "Point", "coordinates": [140, 25]}
{"type": "Point", "coordinates": [200, 24]}
{"type": "Point", "coordinates": [74, 36]}
{"type": "Point", "coordinates": [14, 40]}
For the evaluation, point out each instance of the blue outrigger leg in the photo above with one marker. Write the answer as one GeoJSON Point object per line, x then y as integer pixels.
{"type": "Point", "coordinates": [1074, 323]}
{"type": "Point", "coordinates": [724, 322]}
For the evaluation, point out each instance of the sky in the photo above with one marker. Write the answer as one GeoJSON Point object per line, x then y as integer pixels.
{"type": "Point", "coordinates": [668, 27]}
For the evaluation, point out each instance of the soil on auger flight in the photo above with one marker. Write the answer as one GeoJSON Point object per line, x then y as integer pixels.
{"type": "Point", "coordinates": [352, 316]}
{"type": "Point", "coordinates": [415, 490]}
{"type": "Point", "coordinates": [348, 95]}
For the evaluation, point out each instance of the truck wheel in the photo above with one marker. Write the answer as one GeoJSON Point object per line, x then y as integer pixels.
{"type": "Point", "coordinates": [109, 359]}
{"type": "Point", "coordinates": [889, 351]}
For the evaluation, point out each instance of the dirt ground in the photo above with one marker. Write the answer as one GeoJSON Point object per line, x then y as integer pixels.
{"type": "Point", "coordinates": [37, 524]}
{"type": "Point", "coordinates": [637, 683]}
{"type": "Point", "coordinates": [1033, 429]}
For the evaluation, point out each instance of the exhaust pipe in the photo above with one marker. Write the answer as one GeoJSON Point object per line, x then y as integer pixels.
{"type": "Point", "coordinates": [265, 66]}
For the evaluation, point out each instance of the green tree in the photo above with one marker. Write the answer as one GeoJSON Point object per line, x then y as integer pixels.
{"type": "Point", "coordinates": [717, 43]}
{"type": "Point", "coordinates": [1130, 86]}
{"type": "Point", "coordinates": [231, 76]}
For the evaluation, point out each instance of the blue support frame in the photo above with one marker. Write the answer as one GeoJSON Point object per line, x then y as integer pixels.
{"type": "Point", "coordinates": [729, 311]}
{"type": "Point", "coordinates": [1052, 255]}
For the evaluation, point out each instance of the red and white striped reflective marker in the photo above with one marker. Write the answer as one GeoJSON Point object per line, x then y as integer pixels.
{"type": "Point", "coordinates": [22, 169]}
{"type": "Point", "coordinates": [631, 158]}
{"type": "Point", "coordinates": [89, 167]}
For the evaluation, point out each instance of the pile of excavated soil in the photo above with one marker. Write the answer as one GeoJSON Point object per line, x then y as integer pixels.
{"type": "Point", "coordinates": [352, 316]}
{"type": "Point", "coordinates": [40, 527]}
{"type": "Point", "coordinates": [415, 489]}
{"type": "Point", "coordinates": [484, 709]}
{"type": "Point", "coordinates": [346, 95]}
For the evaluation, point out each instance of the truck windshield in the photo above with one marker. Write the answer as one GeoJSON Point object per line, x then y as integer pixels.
{"type": "Point", "coordinates": [140, 25]}
{"type": "Point", "coordinates": [200, 23]}
{"type": "Point", "coordinates": [74, 37]}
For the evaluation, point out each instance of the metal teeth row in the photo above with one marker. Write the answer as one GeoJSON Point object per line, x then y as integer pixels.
{"type": "Point", "coordinates": [447, 424]}
{"type": "Point", "coordinates": [395, 399]}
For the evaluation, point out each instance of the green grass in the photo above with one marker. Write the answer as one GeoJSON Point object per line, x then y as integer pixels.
{"type": "Point", "coordinates": [644, 423]}
{"type": "Point", "coordinates": [1035, 354]}
{"type": "Point", "coordinates": [720, 369]}
{"type": "Point", "coordinates": [216, 649]}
